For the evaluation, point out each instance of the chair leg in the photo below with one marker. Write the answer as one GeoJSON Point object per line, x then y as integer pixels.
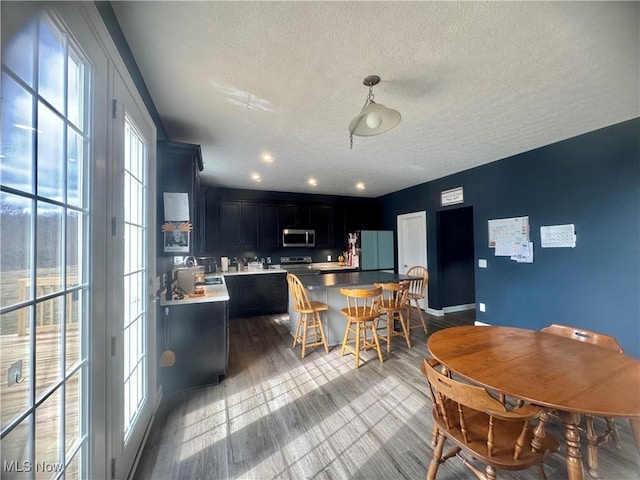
{"type": "Point", "coordinates": [304, 334]}
{"type": "Point", "coordinates": [612, 430]}
{"type": "Point", "coordinates": [345, 338]}
{"type": "Point", "coordinates": [358, 344]}
{"type": "Point", "coordinates": [405, 329]}
{"type": "Point", "coordinates": [436, 459]}
{"type": "Point", "coordinates": [592, 447]}
{"type": "Point", "coordinates": [377, 341]}
{"type": "Point", "coordinates": [541, 474]}
{"type": "Point", "coordinates": [324, 338]}
{"type": "Point", "coordinates": [417, 307]}
{"type": "Point", "coordinates": [296, 337]}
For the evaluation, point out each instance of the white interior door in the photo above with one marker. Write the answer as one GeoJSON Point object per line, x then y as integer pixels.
{"type": "Point", "coordinates": [412, 244]}
{"type": "Point", "coordinates": [133, 203]}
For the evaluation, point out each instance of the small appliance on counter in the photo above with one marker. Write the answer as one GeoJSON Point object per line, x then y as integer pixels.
{"type": "Point", "coordinates": [187, 278]}
{"type": "Point", "coordinates": [209, 264]}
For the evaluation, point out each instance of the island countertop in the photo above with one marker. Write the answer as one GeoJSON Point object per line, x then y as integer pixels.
{"type": "Point", "coordinates": [346, 279]}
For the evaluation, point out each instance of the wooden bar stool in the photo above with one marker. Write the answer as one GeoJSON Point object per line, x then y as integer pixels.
{"type": "Point", "coordinates": [416, 293]}
{"type": "Point", "coordinates": [392, 305]}
{"type": "Point", "coordinates": [309, 316]}
{"type": "Point", "coordinates": [362, 317]}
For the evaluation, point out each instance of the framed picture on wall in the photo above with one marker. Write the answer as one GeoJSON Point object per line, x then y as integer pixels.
{"type": "Point", "coordinates": [176, 236]}
{"type": "Point", "coordinates": [451, 197]}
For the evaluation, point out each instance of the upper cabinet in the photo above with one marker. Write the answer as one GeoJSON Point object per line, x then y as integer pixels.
{"type": "Point", "coordinates": [179, 167]}
{"type": "Point", "coordinates": [239, 224]}
{"type": "Point", "coordinates": [321, 219]}
{"type": "Point", "coordinates": [295, 215]}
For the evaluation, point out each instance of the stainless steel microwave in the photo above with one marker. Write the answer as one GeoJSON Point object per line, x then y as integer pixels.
{"type": "Point", "coordinates": [292, 237]}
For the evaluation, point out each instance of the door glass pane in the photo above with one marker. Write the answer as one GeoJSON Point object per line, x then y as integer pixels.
{"type": "Point", "coordinates": [75, 90]}
{"type": "Point", "coordinates": [15, 346]}
{"type": "Point", "coordinates": [18, 41]}
{"type": "Point", "coordinates": [16, 448]}
{"type": "Point", "coordinates": [16, 247]}
{"type": "Point", "coordinates": [49, 432]}
{"type": "Point", "coordinates": [75, 168]}
{"type": "Point", "coordinates": [49, 245]}
{"type": "Point", "coordinates": [51, 78]}
{"type": "Point", "coordinates": [16, 168]}
{"type": "Point", "coordinates": [73, 328]}
{"type": "Point", "coordinates": [48, 343]}
{"type": "Point", "coordinates": [72, 432]}
{"type": "Point", "coordinates": [73, 247]}
{"type": "Point", "coordinates": [51, 161]}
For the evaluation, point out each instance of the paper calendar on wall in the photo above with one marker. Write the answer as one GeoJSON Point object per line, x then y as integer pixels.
{"type": "Point", "coordinates": [558, 236]}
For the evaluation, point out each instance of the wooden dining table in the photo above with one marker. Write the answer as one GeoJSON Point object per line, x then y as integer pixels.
{"type": "Point", "coordinates": [565, 375]}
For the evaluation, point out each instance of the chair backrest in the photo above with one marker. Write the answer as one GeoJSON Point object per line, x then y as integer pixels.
{"type": "Point", "coordinates": [582, 335]}
{"type": "Point", "coordinates": [457, 405]}
{"type": "Point", "coordinates": [417, 287]}
{"type": "Point", "coordinates": [362, 302]}
{"type": "Point", "coordinates": [299, 293]}
{"type": "Point", "coordinates": [394, 294]}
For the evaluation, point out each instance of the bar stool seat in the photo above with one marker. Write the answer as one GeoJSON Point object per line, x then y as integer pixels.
{"type": "Point", "coordinates": [309, 317]}
{"type": "Point", "coordinates": [362, 318]}
{"type": "Point", "coordinates": [393, 307]}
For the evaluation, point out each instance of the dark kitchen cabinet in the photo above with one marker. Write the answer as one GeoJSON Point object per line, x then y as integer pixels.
{"type": "Point", "coordinates": [198, 335]}
{"type": "Point", "coordinates": [179, 167]}
{"type": "Point", "coordinates": [239, 224]}
{"type": "Point", "coordinates": [321, 219]}
{"type": "Point", "coordinates": [269, 234]}
{"type": "Point", "coordinates": [256, 294]}
{"type": "Point", "coordinates": [211, 219]}
{"type": "Point", "coordinates": [295, 215]}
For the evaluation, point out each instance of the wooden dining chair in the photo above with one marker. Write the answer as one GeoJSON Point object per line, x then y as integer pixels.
{"type": "Point", "coordinates": [362, 314]}
{"type": "Point", "coordinates": [394, 307]}
{"type": "Point", "coordinates": [309, 316]}
{"type": "Point", "coordinates": [593, 439]}
{"type": "Point", "coordinates": [416, 293]}
{"type": "Point", "coordinates": [484, 429]}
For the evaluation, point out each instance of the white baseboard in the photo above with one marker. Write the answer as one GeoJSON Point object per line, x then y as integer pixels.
{"type": "Point", "coordinates": [459, 308]}
{"type": "Point", "coordinates": [481, 324]}
{"type": "Point", "coordinates": [451, 309]}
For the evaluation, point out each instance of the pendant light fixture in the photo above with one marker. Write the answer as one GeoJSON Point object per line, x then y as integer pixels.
{"type": "Point", "coordinates": [374, 118]}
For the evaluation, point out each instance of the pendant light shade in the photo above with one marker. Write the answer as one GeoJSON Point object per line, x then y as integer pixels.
{"type": "Point", "coordinates": [374, 118]}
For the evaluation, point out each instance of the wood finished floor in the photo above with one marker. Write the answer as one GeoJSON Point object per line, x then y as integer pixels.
{"type": "Point", "coordinates": [277, 416]}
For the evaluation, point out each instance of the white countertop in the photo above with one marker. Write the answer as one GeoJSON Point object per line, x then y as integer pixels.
{"type": "Point", "coordinates": [260, 271]}
{"type": "Point", "coordinates": [212, 293]}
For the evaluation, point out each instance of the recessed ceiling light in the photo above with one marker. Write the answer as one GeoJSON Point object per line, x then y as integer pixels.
{"type": "Point", "coordinates": [267, 158]}
{"type": "Point", "coordinates": [313, 182]}
{"type": "Point", "coordinates": [256, 177]}
{"type": "Point", "coordinates": [360, 186]}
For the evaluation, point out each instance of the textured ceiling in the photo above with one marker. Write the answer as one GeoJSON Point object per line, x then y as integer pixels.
{"type": "Point", "coordinates": [474, 81]}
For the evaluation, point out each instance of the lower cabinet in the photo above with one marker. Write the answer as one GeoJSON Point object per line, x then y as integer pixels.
{"type": "Point", "coordinates": [257, 294]}
{"type": "Point", "coordinates": [198, 336]}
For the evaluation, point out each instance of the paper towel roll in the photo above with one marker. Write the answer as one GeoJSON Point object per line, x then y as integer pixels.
{"type": "Point", "coordinates": [224, 261]}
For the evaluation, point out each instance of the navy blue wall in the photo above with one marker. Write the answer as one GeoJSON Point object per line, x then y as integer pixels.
{"type": "Point", "coordinates": [592, 181]}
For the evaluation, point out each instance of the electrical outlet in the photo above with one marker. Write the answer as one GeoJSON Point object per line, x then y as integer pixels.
{"type": "Point", "coordinates": [483, 307]}
{"type": "Point", "coordinates": [482, 262]}
{"type": "Point", "coordinates": [328, 258]}
{"type": "Point", "coordinates": [14, 374]}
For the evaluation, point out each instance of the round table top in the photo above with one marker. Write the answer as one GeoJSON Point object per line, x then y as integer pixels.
{"type": "Point", "coordinates": [542, 368]}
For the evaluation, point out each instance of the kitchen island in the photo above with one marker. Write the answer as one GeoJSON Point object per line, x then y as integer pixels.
{"type": "Point", "coordinates": [326, 288]}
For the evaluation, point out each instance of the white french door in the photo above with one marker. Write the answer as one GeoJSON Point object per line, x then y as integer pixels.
{"type": "Point", "coordinates": [133, 271]}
